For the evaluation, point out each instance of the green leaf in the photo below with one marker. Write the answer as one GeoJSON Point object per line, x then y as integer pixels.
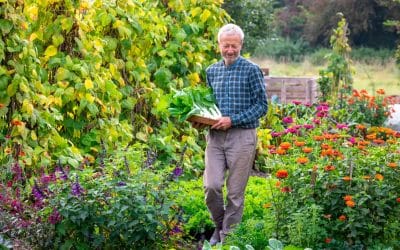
{"type": "Point", "coordinates": [5, 26]}
{"type": "Point", "coordinates": [162, 77]}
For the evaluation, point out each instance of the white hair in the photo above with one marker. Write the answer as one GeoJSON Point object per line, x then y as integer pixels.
{"type": "Point", "coordinates": [230, 29]}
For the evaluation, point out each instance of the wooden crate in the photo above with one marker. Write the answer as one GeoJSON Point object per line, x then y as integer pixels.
{"type": "Point", "coordinates": [288, 89]}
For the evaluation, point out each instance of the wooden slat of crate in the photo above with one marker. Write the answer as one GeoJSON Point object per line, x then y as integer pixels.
{"type": "Point", "coordinates": [289, 89]}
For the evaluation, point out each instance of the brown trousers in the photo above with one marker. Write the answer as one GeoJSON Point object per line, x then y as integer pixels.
{"type": "Point", "coordinates": [232, 152]}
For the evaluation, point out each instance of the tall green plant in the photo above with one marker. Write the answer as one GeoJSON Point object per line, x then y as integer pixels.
{"type": "Point", "coordinates": [336, 80]}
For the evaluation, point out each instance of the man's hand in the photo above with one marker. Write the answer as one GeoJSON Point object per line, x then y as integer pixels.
{"type": "Point", "coordinates": [223, 123]}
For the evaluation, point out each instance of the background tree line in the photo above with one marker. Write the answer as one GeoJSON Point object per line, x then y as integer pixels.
{"type": "Point", "coordinates": [300, 26]}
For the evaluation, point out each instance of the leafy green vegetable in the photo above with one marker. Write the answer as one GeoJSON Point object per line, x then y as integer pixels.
{"type": "Point", "coordinates": [194, 101]}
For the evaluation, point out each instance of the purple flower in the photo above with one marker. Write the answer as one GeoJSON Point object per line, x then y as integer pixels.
{"type": "Point", "coordinates": [63, 174]}
{"type": "Point", "coordinates": [54, 217]}
{"type": "Point", "coordinates": [341, 126]}
{"type": "Point", "coordinates": [352, 140]}
{"type": "Point", "coordinates": [287, 119]}
{"type": "Point", "coordinates": [308, 126]}
{"type": "Point", "coordinates": [121, 183]}
{"type": "Point", "coordinates": [37, 192]}
{"type": "Point", "coordinates": [177, 171]}
{"type": "Point", "coordinates": [317, 121]}
{"type": "Point", "coordinates": [296, 102]}
{"type": "Point", "coordinates": [76, 188]}
{"type": "Point", "coordinates": [17, 170]}
{"type": "Point", "coordinates": [276, 134]}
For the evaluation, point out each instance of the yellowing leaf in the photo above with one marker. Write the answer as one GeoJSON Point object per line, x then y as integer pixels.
{"type": "Point", "coordinates": [205, 15]}
{"type": "Point", "coordinates": [32, 12]}
{"type": "Point", "coordinates": [50, 51]}
{"type": "Point", "coordinates": [89, 97]}
{"type": "Point", "coordinates": [196, 11]}
{"type": "Point", "coordinates": [33, 135]}
{"type": "Point", "coordinates": [27, 107]}
{"type": "Point", "coordinates": [194, 78]}
{"type": "Point", "coordinates": [88, 84]}
{"type": "Point", "coordinates": [98, 45]}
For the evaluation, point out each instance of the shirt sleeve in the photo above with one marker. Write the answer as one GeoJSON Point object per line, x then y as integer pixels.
{"type": "Point", "coordinates": [259, 106]}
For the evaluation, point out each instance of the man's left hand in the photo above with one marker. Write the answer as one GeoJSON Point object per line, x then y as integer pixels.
{"type": "Point", "coordinates": [223, 123]}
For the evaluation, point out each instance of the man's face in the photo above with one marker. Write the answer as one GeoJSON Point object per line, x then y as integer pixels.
{"type": "Point", "coordinates": [230, 46]}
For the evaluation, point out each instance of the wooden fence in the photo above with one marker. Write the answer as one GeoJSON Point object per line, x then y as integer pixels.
{"type": "Point", "coordinates": [288, 89]}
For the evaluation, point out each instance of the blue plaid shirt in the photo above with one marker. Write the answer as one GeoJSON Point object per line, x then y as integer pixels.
{"type": "Point", "coordinates": [240, 91]}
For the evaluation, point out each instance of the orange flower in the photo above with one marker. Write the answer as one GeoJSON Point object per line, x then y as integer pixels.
{"type": "Point", "coordinates": [16, 123]}
{"type": "Point", "coordinates": [342, 217]}
{"type": "Point", "coordinates": [392, 165]}
{"type": "Point", "coordinates": [285, 145]}
{"type": "Point", "coordinates": [306, 150]}
{"type": "Point", "coordinates": [366, 177]}
{"type": "Point", "coordinates": [318, 137]}
{"type": "Point", "coordinates": [379, 177]}
{"type": "Point", "coordinates": [302, 160]}
{"type": "Point", "coordinates": [329, 168]}
{"type": "Point", "coordinates": [350, 203]}
{"type": "Point", "coordinates": [282, 174]}
{"type": "Point", "coordinates": [347, 178]}
{"type": "Point", "coordinates": [278, 184]}
{"type": "Point", "coordinates": [364, 143]}
{"type": "Point", "coordinates": [380, 91]}
{"type": "Point", "coordinates": [360, 127]}
{"type": "Point", "coordinates": [1, 105]}
{"type": "Point", "coordinates": [348, 198]}
{"type": "Point", "coordinates": [325, 146]}
{"type": "Point", "coordinates": [378, 141]}
{"type": "Point", "coordinates": [371, 136]}
{"type": "Point", "coordinates": [286, 190]}
{"type": "Point", "coordinates": [299, 143]}
{"type": "Point", "coordinates": [267, 205]}
{"type": "Point", "coordinates": [280, 151]}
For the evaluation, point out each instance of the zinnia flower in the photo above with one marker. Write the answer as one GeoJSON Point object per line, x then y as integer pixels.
{"type": "Point", "coordinates": [392, 165]}
{"type": "Point", "coordinates": [342, 217]}
{"type": "Point", "coordinates": [350, 203]}
{"type": "Point", "coordinates": [347, 178]}
{"type": "Point", "coordinates": [302, 160]}
{"type": "Point", "coordinates": [285, 145]}
{"type": "Point", "coordinates": [282, 174]}
{"type": "Point", "coordinates": [398, 200]}
{"type": "Point", "coordinates": [286, 190]}
{"type": "Point", "coordinates": [328, 240]}
{"type": "Point", "coordinates": [299, 143]}
{"type": "Point", "coordinates": [329, 168]}
{"type": "Point", "coordinates": [287, 120]}
{"type": "Point", "coordinates": [379, 177]}
{"type": "Point", "coordinates": [306, 150]}
{"type": "Point", "coordinates": [347, 198]}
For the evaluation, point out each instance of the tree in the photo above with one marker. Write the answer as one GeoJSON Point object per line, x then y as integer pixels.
{"type": "Point", "coordinates": [255, 17]}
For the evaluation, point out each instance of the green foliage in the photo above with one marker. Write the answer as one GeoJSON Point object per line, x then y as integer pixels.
{"type": "Point", "coordinates": [76, 74]}
{"type": "Point", "coordinates": [195, 214]}
{"type": "Point", "coordinates": [5, 243]}
{"type": "Point", "coordinates": [194, 101]}
{"type": "Point", "coordinates": [333, 185]}
{"type": "Point", "coordinates": [282, 49]}
{"type": "Point", "coordinates": [119, 207]}
{"type": "Point", "coordinates": [255, 17]}
{"type": "Point", "coordinates": [337, 80]}
{"type": "Point", "coordinates": [372, 56]}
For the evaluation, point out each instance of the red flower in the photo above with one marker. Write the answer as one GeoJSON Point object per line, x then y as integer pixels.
{"type": "Point", "coordinates": [342, 217]}
{"type": "Point", "coordinates": [328, 240]}
{"type": "Point", "coordinates": [398, 200]}
{"type": "Point", "coordinates": [282, 174]}
{"type": "Point", "coordinates": [329, 168]}
{"type": "Point", "coordinates": [286, 190]}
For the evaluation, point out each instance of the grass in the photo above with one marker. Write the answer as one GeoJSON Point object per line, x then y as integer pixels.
{"type": "Point", "coordinates": [367, 76]}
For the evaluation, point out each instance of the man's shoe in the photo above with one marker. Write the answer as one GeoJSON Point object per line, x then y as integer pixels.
{"type": "Point", "coordinates": [215, 238]}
